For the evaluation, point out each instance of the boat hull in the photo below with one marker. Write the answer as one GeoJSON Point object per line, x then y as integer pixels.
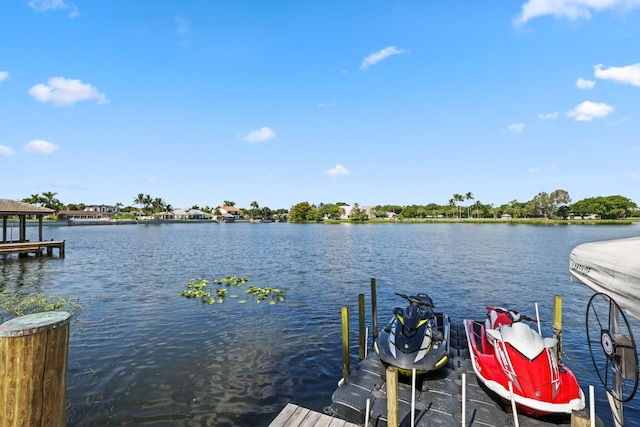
{"type": "Point", "coordinates": [540, 386]}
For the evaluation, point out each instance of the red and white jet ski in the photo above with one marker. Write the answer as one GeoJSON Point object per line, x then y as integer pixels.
{"type": "Point", "coordinates": [505, 349]}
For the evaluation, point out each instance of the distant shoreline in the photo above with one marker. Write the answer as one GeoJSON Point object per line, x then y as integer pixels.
{"type": "Point", "coordinates": [532, 221]}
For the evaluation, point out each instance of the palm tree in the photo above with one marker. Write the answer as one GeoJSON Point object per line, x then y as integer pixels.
{"type": "Point", "coordinates": [158, 205]}
{"type": "Point", "coordinates": [35, 199]}
{"type": "Point", "coordinates": [147, 202]}
{"type": "Point", "coordinates": [457, 198]}
{"type": "Point", "coordinates": [139, 200]}
{"type": "Point", "coordinates": [468, 196]}
{"type": "Point", "coordinates": [49, 200]}
{"type": "Point", "coordinates": [452, 205]}
{"type": "Point", "coordinates": [254, 206]}
{"type": "Point", "coordinates": [229, 203]}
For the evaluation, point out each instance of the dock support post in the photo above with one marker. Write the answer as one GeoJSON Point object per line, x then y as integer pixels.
{"type": "Point", "coordinates": [374, 309]}
{"type": "Point", "coordinates": [392, 396]}
{"type": "Point", "coordinates": [33, 369]}
{"type": "Point", "coordinates": [361, 330]}
{"type": "Point", "coordinates": [345, 343]}
{"type": "Point", "coordinates": [40, 228]}
{"type": "Point", "coordinates": [557, 326]}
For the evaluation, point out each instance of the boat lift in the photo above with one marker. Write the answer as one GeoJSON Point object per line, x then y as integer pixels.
{"type": "Point", "coordinates": [612, 269]}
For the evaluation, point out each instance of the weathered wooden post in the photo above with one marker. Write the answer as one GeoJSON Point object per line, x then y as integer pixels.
{"type": "Point", "coordinates": [557, 325]}
{"type": "Point", "coordinates": [374, 309]}
{"type": "Point", "coordinates": [362, 333]}
{"type": "Point", "coordinates": [33, 369]}
{"type": "Point", "coordinates": [392, 396]}
{"type": "Point", "coordinates": [345, 343]}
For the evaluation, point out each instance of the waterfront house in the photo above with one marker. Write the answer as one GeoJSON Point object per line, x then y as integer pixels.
{"type": "Point", "coordinates": [346, 211]}
{"type": "Point", "coordinates": [71, 214]}
{"type": "Point", "coordinates": [185, 214]}
{"type": "Point", "coordinates": [101, 208]}
{"type": "Point", "coordinates": [230, 211]}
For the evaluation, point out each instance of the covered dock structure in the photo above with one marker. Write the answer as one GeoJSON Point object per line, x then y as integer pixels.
{"type": "Point", "coordinates": [21, 245]}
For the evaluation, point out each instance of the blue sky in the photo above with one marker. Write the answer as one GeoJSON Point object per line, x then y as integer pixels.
{"type": "Point", "coordinates": [279, 102]}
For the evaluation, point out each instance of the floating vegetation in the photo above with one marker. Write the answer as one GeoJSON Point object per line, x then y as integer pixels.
{"type": "Point", "coordinates": [14, 304]}
{"type": "Point", "coordinates": [199, 289]}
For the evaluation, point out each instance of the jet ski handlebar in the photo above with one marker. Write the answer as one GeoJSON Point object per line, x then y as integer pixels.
{"type": "Point", "coordinates": [513, 315]}
{"type": "Point", "coordinates": [420, 299]}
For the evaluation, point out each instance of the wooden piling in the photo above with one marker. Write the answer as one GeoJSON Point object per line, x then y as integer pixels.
{"type": "Point", "coordinates": [33, 370]}
{"type": "Point", "coordinates": [345, 343]}
{"type": "Point", "coordinates": [557, 325]}
{"type": "Point", "coordinates": [374, 309]}
{"type": "Point", "coordinates": [392, 396]}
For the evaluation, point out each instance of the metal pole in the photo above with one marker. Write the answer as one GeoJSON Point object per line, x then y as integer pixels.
{"type": "Point", "coordinates": [615, 397]}
{"type": "Point", "coordinates": [413, 397]}
{"type": "Point", "coordinates": [361, 330]}
{"type": "Point", "coordinates": [592, 406]}
{"type": "Point", "coordinates": [516, 422]}
{"type": "Point", "coordinates": [464, 399]}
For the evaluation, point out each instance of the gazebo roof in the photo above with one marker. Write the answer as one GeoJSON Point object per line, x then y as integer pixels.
{"type": "Point", "coordinates": [13, 207]}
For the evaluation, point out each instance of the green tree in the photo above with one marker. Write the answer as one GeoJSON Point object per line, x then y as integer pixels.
{"type": "Point", "coordinates": [545, 205]}
{"type": "Point", "coordinates": [34, 199]}
{"type": "Point", "coordinates": [358, 214]}
{"type": "Point", "coordinates": [303, 212]}
{"type": "Point", "coordinates": [610, 207]}
{"type": "Point", "coordinates": [139, 200]}
{"type": "Point", "coordinates": [408, 212]}
{"type": "Point", "coordinates": [229, 203]}
{"type": "Point", "coordinates": [49, 200]}
{"type": "Point", "coordinates": [331, 211]}
{"type": "Point", "coordinates": [468, 196]}
{"type": "Point", "coordinates": [254, 207]}
{"type": "Point", "coordinates": [158, 205]}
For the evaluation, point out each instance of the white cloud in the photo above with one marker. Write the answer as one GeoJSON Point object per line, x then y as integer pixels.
{"type": "Point", "coordinates": [45, 5]}
{"type": "Point", "coordinates": [374, 58]}
{"type": "Point", "coordinates": [570, 9]}
{"type": "Point", "coordinates": [4, 75]}
{"type": "Point", "coordinates": [585, 84]}
{"type": "Point", "coordinates": [548, 116]}
{"type": "Point", "coordinates": [67, 184]}
{"type": "Point", "coordinates": [629, 74]}
{"type": "Point", "coordinates": [40, 146]}
{"type": "Point", "coordinates": [588, 111]}
{"type": "Point", "coordinates": [260, 135]}
{"type": "Point", "coordinates": [5, 151]}
{"type": "Point", "coordinates": [337, 171]}
{"type": "Point", "coordinates": [516, 127]}
{"type": "Point", "coordinates": [61, 91]}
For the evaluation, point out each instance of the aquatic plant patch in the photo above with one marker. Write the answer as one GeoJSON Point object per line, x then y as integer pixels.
{"type": "Point", "coordinates": [199, 289]}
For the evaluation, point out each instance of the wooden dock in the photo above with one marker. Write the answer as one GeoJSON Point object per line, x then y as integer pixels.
{"type": "Point", "coordinates": [438, 400]}
{"type": "Point", "coordinates": [297, 416]}
{"type": "Point", "coordinates": [37, 248]}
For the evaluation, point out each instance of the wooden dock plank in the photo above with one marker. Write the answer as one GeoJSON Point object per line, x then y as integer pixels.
{"type": "Point", "coordinates": [283, 416]}
{"type": "Point", "coordinates": [33, 247]}
{"type": "Point", "coordinates": [297, 416]}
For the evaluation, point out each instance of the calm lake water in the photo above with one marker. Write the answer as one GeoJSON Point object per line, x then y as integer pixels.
{"type": "Point", "coordinates": [142, 355]}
